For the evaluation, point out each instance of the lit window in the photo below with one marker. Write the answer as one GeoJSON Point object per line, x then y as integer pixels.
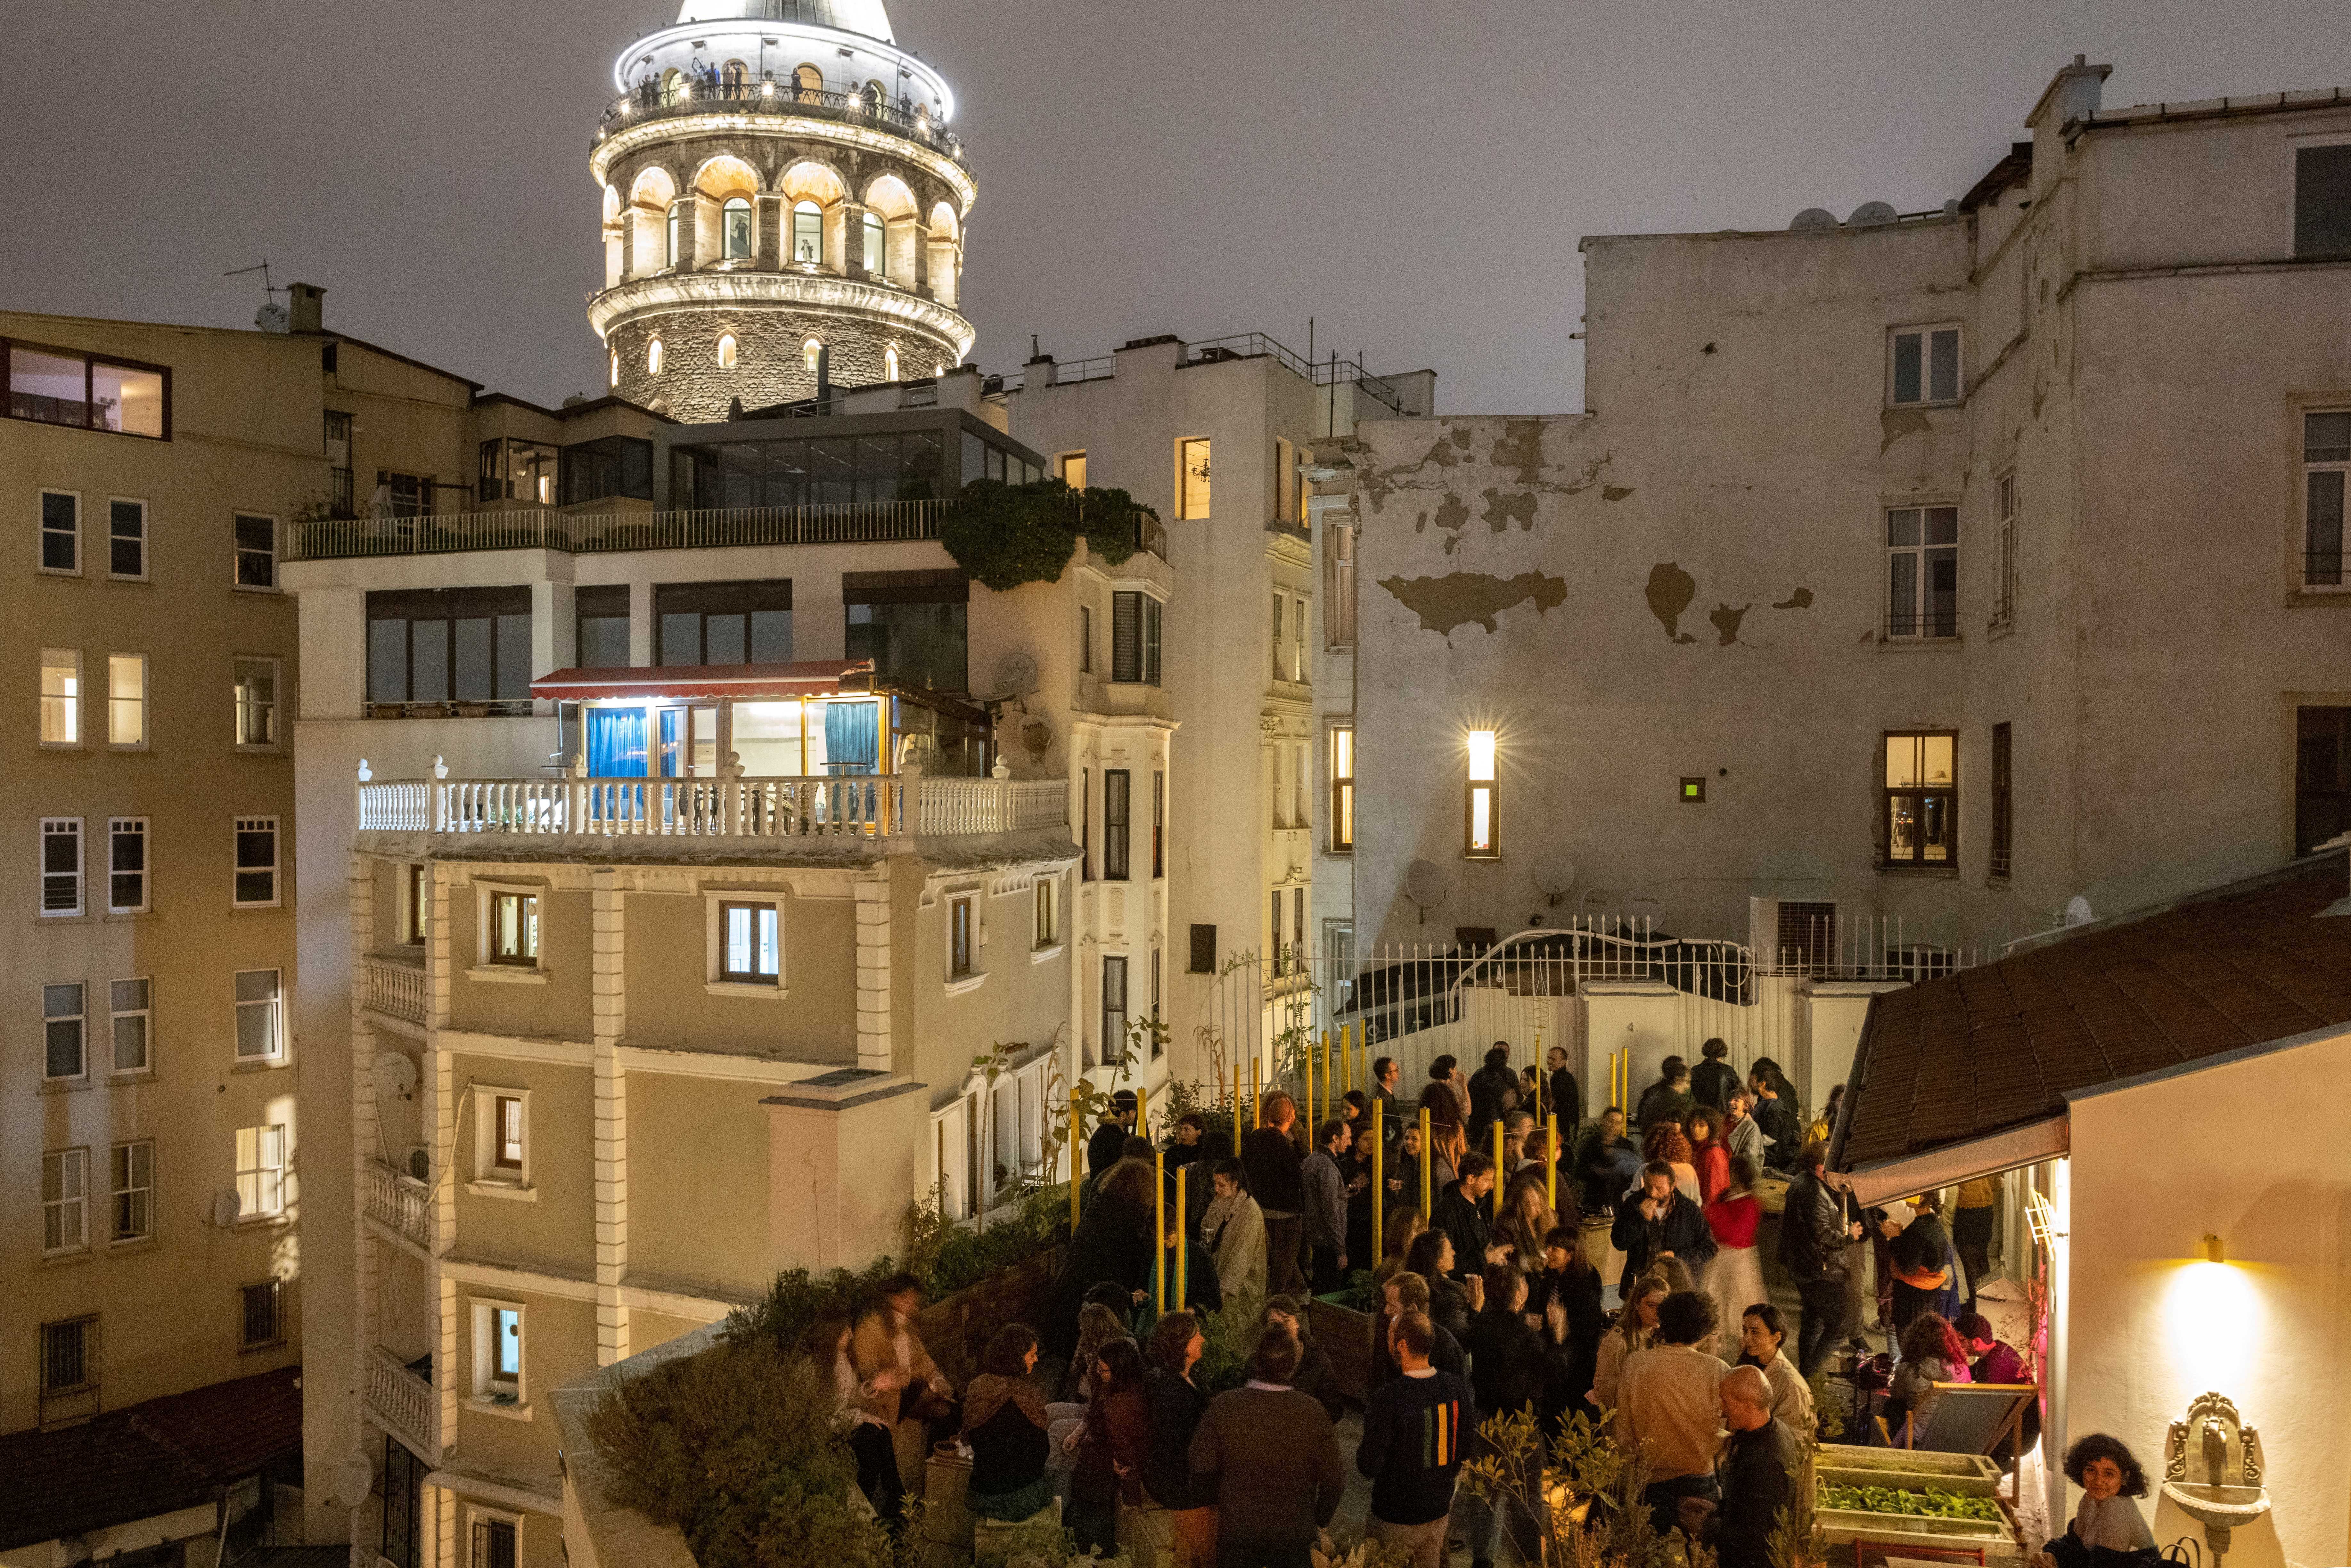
{"type": "Point", "coordinates": [961, 939]}
{"type": "Point", "coordinates": [59, 386]}
{"type": "Point", "coordinates": [60, 696]}
{"type": "Point", "coordinates": [64, 1053]}
{"type": "Point", "coordinates": [497, 1352]}
{"type": "Point", "coordinates": [126, 539]}
{"type": "Point", "coordinates": [132, 1018]}
{"type": "Point", "coordinates": [813, 355]}
{"type": "Point", "coordinates": [60, 531]}
{"type": "Point", "coordinates": [1921, 810]}
{"type": "Point", "coordinates": [681, 218]}
{"type": "Point", "coordinates": [653, 357]}
{"type": "Point", "coordinates": [514, 928]}
{"type": "Point", "coordinates": [1479, 842]}
{"type": "Point", "coordinates": [889, 364]}
{"type": "Point", "coordinates": [1048, 911]}
{"type": "Point", "coordinates": [65, 1204]}
{"type": "Point", "coordinates": [1192, 481]}
{"type": "Point", "coordinates": [1071, 466]}
{"type": "Point", "coordinates": [126, 699]}
{"type": "Point", "coordinates": [726, 351]}
{"type": "Point", "coordinates": [2326, 471]}
{"type": "Point", "coordinates": [261, 1171]}
{"type": "Point", "coordinates": [1922, 571]}
{"type": "Point", "coordinates": [125, 865]}
{"type": "Point", "coordinates": [506, 1133]}
{"type": "Point", "coordinates": [1923, 365]}
{"type": "Point", "coordinates": [259, 1032]}
{"type": "Point", "coordinates": [134, 1191]}
{"type": "Point", "coordinates": [752, 948]}
{"type": "Point", "coordinates": [256, 702]}
{"type": "Point", "coordinates": [612, 373]}
{"type": "Point", "coordinates": [256, 863]}
{"type": "Point", "coordinates": [1342, 787]}
{"type": "Point", "coordinates": [60, 866]}
{"type": "Point", "coordinates": [808, 234]}
{"type": "Point", "coordinates": [876, 247]}
{"type": "Point", "coordinates": [734, 221]}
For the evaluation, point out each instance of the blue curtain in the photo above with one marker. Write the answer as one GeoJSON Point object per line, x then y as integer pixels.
{"type": "Point", "coordinates": [616, 743]}
{"type": "Point", "coordinates": [852, 737]}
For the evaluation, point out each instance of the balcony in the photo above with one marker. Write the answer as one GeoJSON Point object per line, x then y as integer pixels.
{"type": "Point", "coordinates": [402, 1400]}
{"type": "Point", "coordinates": [901, 117]}
{"type": "Point", "coordinates": [399, 1202]}
{"type": "Point", "coordinates": [394, 987]}
{"type": "Point", "coordinates": [591, 533]}
{"type": "Point", "coordinates": [761, 811]}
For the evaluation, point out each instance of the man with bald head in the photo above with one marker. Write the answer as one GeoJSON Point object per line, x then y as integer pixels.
{"type": "Point", "coordinates": [1757, 1473]}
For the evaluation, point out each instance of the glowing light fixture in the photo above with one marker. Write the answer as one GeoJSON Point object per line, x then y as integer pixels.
{"type": "Point", "coordinates": [2214, 1252]}
{"type": "Point", "coordinates": [1479, 841]}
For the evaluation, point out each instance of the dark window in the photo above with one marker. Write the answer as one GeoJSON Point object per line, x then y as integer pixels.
{"type": "Point", "coordinates": [1134, 622]}
{"type": "Point", "coordinates": [1922, 571]}
{"type": "Point", "coordinates": [493, 1544]}
{"type": "Point", "coordinates": [1473, 939]}
{"type": "Point", "coordinates": [828, 470]}
{"type": "Point", "coordinates": [404, 1504]}
{"type": "Point", "coordinates": [1273, 936]}
{"type": "Point", "coordinates": [1203, 959]}
{"type": "Point", "coordinates": [406, 495]}
{"type": "Point", "coordinates": [520, 471]}
{"type": "Point", "coordinates": [959, 939]}
{"type": "Point", "coordinates": [1085, 824]}
{"type": "Point", "coordinates": [1296, 927]}
{"type": "Point", "coordinates": [60, 531]}
{"type": "Point", "coordinates": [603, 615]}
{"type": "Point", "coordinates": [339, 458]}
{"type": "Point", "coordinates": [69, 1356]}
{"type": "Point", "coordinates": [724, 623]}
{"type": "Point", "coordinates": [1114, 1019]}
{"type": "Point", "coordinates": [2003, 857]}
{"type": "Point", "coordinates": [1116, 787]}
{"type": "Point", "coordinates": [2325, 470]}
{"type": "Point", "coordinates": [257, 550]}
{"type": "Point", "coordinates": [2322, 776]}
{"type": "Point", "coordinates": [63, 386]}
{"type": "Point", "coordinates": [2322, 200]}
{"type": "Point", "coordinates": [1921, 795]}
{"type": "Point", "coordinates": [611, 465]}
{"type": "Point", "coordinates": [126, 529]}
{"type": "Point", "coordinates": [1159, 824]}
{"type": "Point", "coordinates": [449, 644]}
{"type": "Point", "coordinates": [418, 912]}
{"type": "Point", "coordinates": [262, 1314]}
{"type": "Point", "coordinates": [1085, 639]}
{"type": "Point", "coordinates": [915, 625]}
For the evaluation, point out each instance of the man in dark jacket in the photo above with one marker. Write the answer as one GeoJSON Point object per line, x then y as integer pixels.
{"type": "Point", "coordinates": [1512, 1367]}
{"type": "Point", "coordinates": [1563, 1096]}
{"type": "Point", "coordinates": [1405, 1294]}
{"type": "Point", "coordinates": [1273, 1163]}
{"type": "Point", "coordinates": [1607, 1162]}
{"type": "Point", "coordinates": [1108, 1140]}
{"type": "Point", "coordinates": [1757, 1473]}
{"type": "Point", "coordinates": [1813, 1234]}
{"type": "Point", "coordinates": [1715, 1079]}
{"type": "Point", "coordinates": [1462, 1215]}
{"type": "Point", "coordinates": [1324, 1213]}
{"type": "Point", "coordinates": [1414, 1426]}
{"type": "Point", "coordinates": [1269, 1456]}
{"type": "Point", "coordinates": [1776, 1112]}
{"type": "Point", "coordinates": [1664, 1224]}
{"type": "Point", "coordinates": [1388, 1080]}
{"type": "Point", "coordinates": [1176, 1405]}
{"type": "Point", "coordinates": [1666, 1100]}
{"type": "Point", "coordinates": [1493, 1089]}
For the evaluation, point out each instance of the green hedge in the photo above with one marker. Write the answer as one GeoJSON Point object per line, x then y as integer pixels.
{"type": "Point", "coordinates": [1005, 535]}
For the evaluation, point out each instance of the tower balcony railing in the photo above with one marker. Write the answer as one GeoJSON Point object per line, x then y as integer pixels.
{"type": "Point", "coordinates": [590, 533]}
{"type": "Point", "coordinates": [651, 99]}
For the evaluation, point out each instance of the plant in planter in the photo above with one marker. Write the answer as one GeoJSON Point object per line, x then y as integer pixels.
{"type": "Point", "coordinates": [1579, 1490]}
{"type": "Point", "coordinates": [1007, 535]}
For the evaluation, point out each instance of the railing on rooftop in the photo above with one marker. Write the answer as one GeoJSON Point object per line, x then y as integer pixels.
{"type": "Point", "coordinates": [649, 100]}
{"type": "Point", "coordinates": [586, 533]}
{"type": "Point", "coordinates": [1333, 371]}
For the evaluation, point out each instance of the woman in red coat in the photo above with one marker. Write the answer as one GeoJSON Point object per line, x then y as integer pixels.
{"type": "Point", "coordinates": [1734, 1275]}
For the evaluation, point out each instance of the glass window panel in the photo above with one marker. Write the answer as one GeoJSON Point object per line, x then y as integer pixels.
{"type": "Point", "coordinates": [975, 458]}
{"type": "Point", "coordinates": [127, 699]}
{"type": "Point", "coordinates": [1943, 367]}
{"type": "Point", "coordinates": [429, 660]}
{"type": "Point", "coordinates": [387, 661]}
{"type": "Point", "coordinates": [2326, 437]}
{"type": "Point", "coordinates": [50, 388]}
{"type": "Point", "coordinates": [723, 639]}
{"type": "Point", "coordinates": [1481, 825]}
{"type": "Point", "coordinates": [603, 641]}
{"type": "Point", "coordinates": [771, 637]}
{"type": "Point", "coordinates": [60, 696]}
{"type": "Point", "coordinates": [130, 1043]}
{"type": "Point", "coordinates": [2323, 528]}
{"type": "Point", "coordinates": [1902, 527]}
{"type": "Point", "coordinates": [1901, 760]}
{"type": "Point", "coordinates": [513, 657]}
{"type": "Point", "coordinates": [1942, 606]}
{"type": "Point", "coordinates": [1942, 524]}
{"type": "Point", "coordinates": [1936, 754]}
{"type": "Point", "coordinates": [768, 739]}
{"type": "Point", "coordinates": [127, 543]}
{"type": "Point", "coordinates": [1902, 828]}
{"type": "Point", "coordinates": [1906, 368]}
{"type": "Point", "coordinates": [681, 638]}
{"type": "Point", "coordinates": [832, 471]}
{"type": "Point", "coordinates": [126, 400]}
{"type": "Point", "coordinates": [475, 675]}
{"type": "Point", "coordinates": [61, 532]}
{"type": "Point", "coordinates": [1902, 592]}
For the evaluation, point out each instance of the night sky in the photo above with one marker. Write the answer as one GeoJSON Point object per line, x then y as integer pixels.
{"type": "Point", "coordinates": [1413, 176]}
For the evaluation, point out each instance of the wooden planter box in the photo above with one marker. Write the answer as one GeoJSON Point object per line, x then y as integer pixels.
{"type": "Point", "coordinates": [1908, 1469]}
{"type": "Point", "coordinates": [1996, 1539]}
{"type": "Point", "coordinates": [1345, 1335]}
{"type": "Point", "coordinates": [957, 1330]}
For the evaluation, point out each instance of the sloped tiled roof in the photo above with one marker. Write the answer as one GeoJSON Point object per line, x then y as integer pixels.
{"type": "Point", "coordinates": [148, 1458]}
{"type": "Point", "coordinates": [1999, 1047]}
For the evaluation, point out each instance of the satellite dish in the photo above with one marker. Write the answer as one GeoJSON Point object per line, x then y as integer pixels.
{"type": "Point", "coordinates": [2077, 911]}
{"type": "Point", "coordinates": [1554, 874]}
{"type": "Point", "coordinates": [354, 1479]}
{"type": "Point", "coordinates": [1813, 218]}
{"type": "Point", "coordinates": [1426, 886]}
{"type": "Point", "coordinates": [394, 1074]}
{"type": "Point", "coordinates": [1016, 675]}
{"type": "Point", "coordinates": [1869, 214]}
{"type": "Point", "coordinates": [273, 318]}
{"type": "Point", "coordinates": [1036, 734]}
{"type": "Point", "coordinates": [226, 1206]}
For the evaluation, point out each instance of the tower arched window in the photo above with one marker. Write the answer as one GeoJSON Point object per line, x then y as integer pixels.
{"type": "Point", "coordinates": [889, 364]}
{"type": "Point", "coordinates": [727, 353]}
{"type": "Point", "coordinates": [736, 220]}
{"type": "Point", "coordinates": [652, 358]}
{"type": "Point", "coordinates": [808, 233]}
{"type": "Point", "coordinates": [811, 352]}
{"type": "Point", "coordinates": [809, 82]}
{"type": "Point", "coordinates": [876, 247]}
{"type": "Point", "coordinates": [735, 74]}
{"type": "Point", "coordinates": [680, 233]}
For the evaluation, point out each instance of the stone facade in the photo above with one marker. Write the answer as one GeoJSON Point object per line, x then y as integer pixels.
{"type": "Point", "coordinates": [771, 363]}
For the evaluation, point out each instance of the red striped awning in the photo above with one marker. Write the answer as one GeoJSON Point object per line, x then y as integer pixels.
{"type": "Point", "coordinates": [812, 678]}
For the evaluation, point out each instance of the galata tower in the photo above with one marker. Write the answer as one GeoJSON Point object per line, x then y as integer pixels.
{"type": "Point", "coordinates": [783, 194]}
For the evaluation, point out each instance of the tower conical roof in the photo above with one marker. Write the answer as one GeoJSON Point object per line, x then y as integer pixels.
{"type": "Point", "coordinates": [867, 17]}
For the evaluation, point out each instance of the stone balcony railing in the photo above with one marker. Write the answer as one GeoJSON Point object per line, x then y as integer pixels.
{"type": "Point", "coordinates": [399, 1201]}
{"type": "Point", "coordinates": [901, 117]}
{"type": "Point", "coordinates": [402, 1400]}
{"type": "Point", "coordinates": [898, 806]}
{"type": "Point", "coordinates": [394, 987]}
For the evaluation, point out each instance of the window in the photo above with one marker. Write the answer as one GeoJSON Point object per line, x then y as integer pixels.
{"type": "Point", "coordinates": [735, 228]}
{"type": "Point", "coordinates": [126, 539]}
{"type": "Point", "coordinates": [261, 1170]}
{"type": "Point", "coordinates": [1114, 1013]}
{"type": "Point", "coordinates": [2322, 199]}
{"type": "Point", "coordinates": [1922, 572]}
{"type": "Point", "coordinates": [1135, 630]}
{"type": "Point", "coordinates": [1048, 911]}
{"type": "Point", "coordinates": [1921, 799]}
{"type": "Point", "coordinates": [1280, 784]}
{"type": "Point", "coordinates": [1085, 639]}
{"type": "Point", "coordinates": [2326, 471]}
{"type": "Point", "coordinates": [1302, 786]}
{"type": "Point", "coordinates": [1281, 658]}
{"type": "Point", "coordinates": [1343, 788]}
{"type": "Point", "coordinates": [256, 863]}
{"type": "Point", "coordinates": [1285, 482]}
{"type": "Point", "coordinates": [2004, 609]}
{"type": "Point", "coordinates": [258, 1036]}
{"type": "Point", "coordinates": [812, 357]}
{"type": "Point", "coordinates": [1338, 583]}
{"type": "Point", "coordinates": [915, 625]}
{"type": "Point", "coordinates": [64, 1056]}
{"type": "Point", "coordinates": [1085, 824]}
{"type": "Point", "coordinates": [65, 1201]}
{"type": "Point", "coordinates": [60, 696]}
{"type": "Point", "coordinates": [607, 466]}
{"type": "Point", "coordinates": [1071, 467]}
{"type": "Point", "coordinates": [132, 1015]}
{"type": "Point", "coordinates": [493, 1544]}
{"type": "Point", "coordinates": [603, 629]}
{"type": "Point", "coordinates": [125, 865]}
{"type": "Point", "coordinates": [2003, 857]}
{"type": "Point", "coordinates": [1116, 782]}
{"type": "Point", "coordinates": [338, 462]}
{"type": "Point", "coordinates": [60, 386]}
{"type": "Point", "coordinates": [1192, 478]}
{"type": "Point", "coordinates": [677, 236]}
{"type": "Point", "coordinates": [1297, 634]}
{"type": "Point", "coordinates": [134, 1191]}
{"type": "Point", "coordinates": [126, 700]}
{"type": "Point", "coordinates": [514, 928]}
{"type": "Point", "coordinates": [1158, 1046]}
{"type": "Point", "coordinates": [521, 471]}
{"type": "Point", "coordinates": [753, 944]}
{"type": "Point", "coordinates": [69, 1356]}
{"type": "Point", "coordinates": [506, 1133]}
{"type": "Point", "coordinates": [1158, 824]}
{"type": "Point", "coordinates": [961, 938]}
{"type": "Point", "coordinates": [890, 364]}
{"type": "Point", "coordinates": [876, 234]}
{"type": "Point", "coordinates": [256, 702]}
{"type": "Point", "coordinates": [727, 353]}
{"type": "Point", "coordinates": [1279, 949]}
{"type": "Point", "coordinates": [724, 623]}
{"type": "Point", "coordinates": [60, 531]}
{"type": "Point", "coordinates": [1297, 929]}
{"type": "Point", "coordinates": [415, 904]}
{"type": "Point", "coordinates": [653, 356]}
{"type": "Point", "coordinates": [1923, 365]}
{"type": "Point", "coordinates": [261, 1316]}
{"type": "Point", "coordinates": [497, 1352]}
{"type": "Point", "coordinates": [808, 234]}
{"type": "Point", "coordinates": [257, 550]}
{"type": "Point", "coordinates": [449, 644]}
{"type": "Point", "coordinates": [60, 865]}
{"type": "Point", "coordinates": [1479, 840]}
{"type": "Point", "coordinates": [406, 495]}
{"type": "Point", "coordinates": [2322, 776]}
{"type": "Point", "coordinates": [1203, 957]}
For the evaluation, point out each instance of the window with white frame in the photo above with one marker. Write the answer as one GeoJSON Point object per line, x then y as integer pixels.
{"type": "Point", "coordinates": [60, 866]}
{"type": "Point", "coordinates": [2325, 473]}
{"type": "Point", "coordinates": [260, 1028]}
{"type": "Point", "coordinates": [126, 539]}
{"type": "Point", "coordinates": [1337, 582]}
{"type": "Point", "coordinates": [1922, 365]}
{"type": "Point", "coordinates": [501, 1137]}
{"type": "Point", "coordinates": [261, 1315]}
{"type": "Point", "coordinates": [963, 936]}
{"type": "Point", "coordinates": [60, 696]}
{"type": "Point", "coordinates": [133, 1194]}
{"type": "Point", "coordinates": [751, 942]}
{"type": "Point", "coordinates": [1482, 806]}
{"type": "Point", "coordinates": [1113, 1007]}
{"type": "Point", "coordinates": [132, 1017]}
{"type": "Point", "coordinates": [65, 1201]}
{"type": "Point", "coordinates": [1922, 572]}
{"type": "Point", "coordinates": [61, 531]}
{"type": "Point", "coordinates": [1297, 629]}
{"type": "Point", "coordinates": [2003, 497]}
{"type": "Point", "coordinates": [1301, 784]}
{"type": "Point", "coordinates": [65, 1054]}
{"type": "Point", "coordinates": [256, 885]}
{"type": "Point", "coordinates": [126, 700]}
{"type": "Point", "coordinates": [497, 1352]}
{"type": "Point", "coordinates": [513, 928]}
{"type": "Point", "coordinates": [1048, 911]}
{"type": "Point", "coordinates": [494, 1540]}
{"type": "Point", "coordinates": [125, 865]}
{"type": "Point", "coordinates": [257, 703]}
{"type": "Point", "coordinates": [261, 1171]}
{"type": "Point", "coordinates": [257, 550]}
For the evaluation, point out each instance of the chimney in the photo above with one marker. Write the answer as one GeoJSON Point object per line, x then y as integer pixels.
{"type": "Point", "coordinates": [302, 306]}
{"type": "Point", "coordinates": [2072, 94]}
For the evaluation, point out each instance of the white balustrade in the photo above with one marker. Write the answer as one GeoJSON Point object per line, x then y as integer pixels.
{"type": "Point", "coordinates": [396, 989]}
{"type": "Point", "coordinates": [399, 1201]}
{"type": "Point", "coordinates": [402, 1399]}
{"type": "Point", "coordinates": [855, 806]}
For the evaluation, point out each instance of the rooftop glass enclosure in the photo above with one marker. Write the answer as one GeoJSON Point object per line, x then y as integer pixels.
{"type": "Point", "coordinates": [821, 460]}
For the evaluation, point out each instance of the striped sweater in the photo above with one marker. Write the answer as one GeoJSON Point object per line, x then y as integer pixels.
{"type": "Point", "coordinates": [1414, 1430]}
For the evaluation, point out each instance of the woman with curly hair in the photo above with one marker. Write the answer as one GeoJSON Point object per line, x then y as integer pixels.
{"type": "Point", "coordinates": [1005, 1423]}
{"type": "Point", "coordinates": [1667, 1142]}
{"type": "Point", "coordinates": [1708, 1151]}
{"type": "Point", "coordinates": [1636, 1329]}
{"type": "Point", "coordinates": [2107, 1522]}
{"type": "Point", "coordinates": [1932, 1352]}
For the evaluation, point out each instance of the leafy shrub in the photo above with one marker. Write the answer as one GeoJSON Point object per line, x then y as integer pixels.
{"type": "Point", "coordinates": [1005, 535]}
{"type": "Point", "coordinates": [797, 1298]}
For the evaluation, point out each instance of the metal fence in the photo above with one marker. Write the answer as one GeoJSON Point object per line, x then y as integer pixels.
{"type": "Point", "coordinates": [586, 533]}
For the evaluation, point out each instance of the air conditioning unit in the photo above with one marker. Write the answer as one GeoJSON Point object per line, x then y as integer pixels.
{"type": "Point", "coordinates": [1791, 934]}
{"type": "Point", "coordinates": [419, 1163]}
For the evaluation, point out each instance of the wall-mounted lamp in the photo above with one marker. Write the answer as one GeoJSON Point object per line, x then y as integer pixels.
{"type": "Point", "coordinates": [2213, 1251]}
{"type": "Point", "coordinates": [1478, 836]}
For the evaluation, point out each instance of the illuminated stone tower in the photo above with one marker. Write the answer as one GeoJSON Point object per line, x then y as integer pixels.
{"type": "Point", "coordinates": [779, 179]}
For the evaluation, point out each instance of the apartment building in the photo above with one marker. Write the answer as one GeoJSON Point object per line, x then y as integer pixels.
{"type": "Point", "coordinates": [1953, 569]}
{"type": "Point", "coordinates": [1221, 438]}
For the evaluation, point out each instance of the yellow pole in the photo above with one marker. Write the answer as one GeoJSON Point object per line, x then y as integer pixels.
{"type": "Point", "coordinates": [1499, 1169]}
{"type": "Point", "coordinates": [1075, 1147]}
{"type": "Point", "coordinates": [1236, 1110]}
{"type": "Point", "coordinates": [1379, 1184]}
{"type": "Point", "coordinates": [1183, 1243]}
{"type": "Point", "coordinates": [1427, 1164]}
{"type": "Point", "coordinates": [1159, 1235]}
{"type": "Point", "coordinates": [1142, 1113]}
{"type": "Point", "coordinates": [1257, 1099]}
{"type": "Point", "coordinates": [1550, 1167]}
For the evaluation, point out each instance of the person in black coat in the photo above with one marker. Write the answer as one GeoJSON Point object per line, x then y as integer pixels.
{"type": "Point", "coordinates": [1663, 1224]}
{"type": "Point", "coordinates": [1563, 1096]}
{"type": "Point", "coordinates": [1493, 1090]}
{"type": "Point", "coordinates": [1429, 1259]}
{"type": "Point", "coordinates": [1108, 1141]}
{"type": "Point", "coordinates": [1513, 1365]}
{"type": "Point", "coordinates": [1112, 1242]}
{"type": "Point", "coordinates": [1568, 1279]}
{"type": "Point", "coordinates": [1176, 1405]}
{"type": "Point", "coordinates": [1713, 1079]}
{"type": "Point", "coordinates": [1315, 1374]}
{"type": "Point", "coordinates": [1461, 1214]}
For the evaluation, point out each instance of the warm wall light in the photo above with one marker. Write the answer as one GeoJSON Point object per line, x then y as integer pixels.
{"type": "Point", "coordinates": [2213, 1251]}
{"type": "Point", "coordinates": [1479, 838]}
{"type": "Point", "coordinates": [1481, 755]}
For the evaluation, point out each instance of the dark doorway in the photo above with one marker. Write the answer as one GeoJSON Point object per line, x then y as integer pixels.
{"type": "Point", "coordinates": [2322, 776]}
{"type": "Point", "coordinates": [403, 1503]}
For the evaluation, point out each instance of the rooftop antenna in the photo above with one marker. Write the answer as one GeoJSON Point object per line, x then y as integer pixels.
{"type": "Point", "coordinates": [272, 316]}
